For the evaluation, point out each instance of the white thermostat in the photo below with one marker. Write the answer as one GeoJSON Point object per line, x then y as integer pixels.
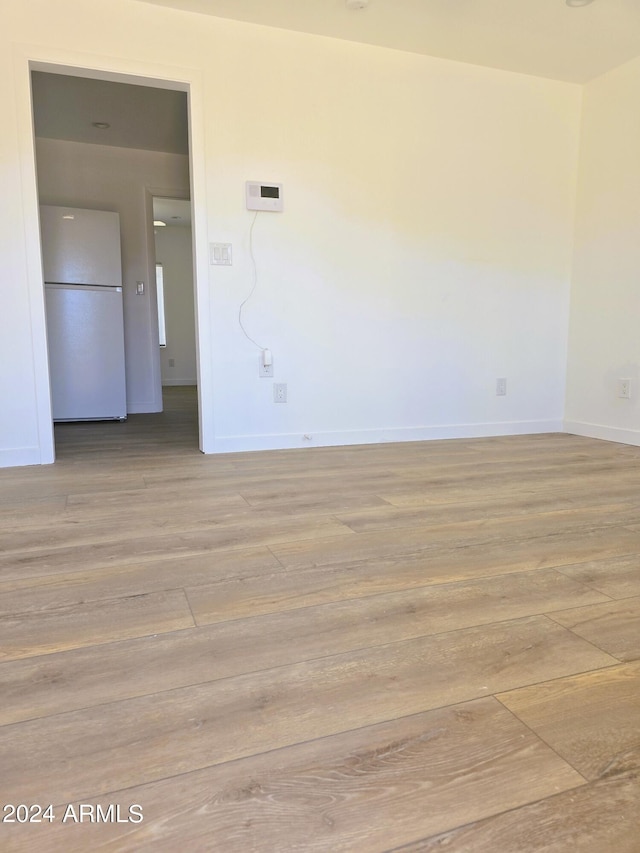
{"type": "Point", "coordinates": [261, 196]}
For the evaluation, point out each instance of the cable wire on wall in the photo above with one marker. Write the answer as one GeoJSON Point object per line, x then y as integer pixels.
{"type": "Point", "coordinates": [255, 284]}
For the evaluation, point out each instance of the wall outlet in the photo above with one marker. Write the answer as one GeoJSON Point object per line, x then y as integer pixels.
{"type": "Point", "coordinates": [501, 387]}
{"type": "Point", "coordinates": [624, 388]}
{"type": "Point", "coordinates": [264, 370]}
{"type": "Point", "coordinates": [279, 392]}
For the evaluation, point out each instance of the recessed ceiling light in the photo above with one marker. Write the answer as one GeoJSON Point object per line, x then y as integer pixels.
{"type": "Point", "coordinates": [101, 125]}
{"type": "Point", "coordinates": [578, 2]}
{"type": "Point", "coordinates": [176, 217]}
{"type": "Point", "coordinates": [159, 223]}
{"type": "Point", "coordinates": [357, 4]}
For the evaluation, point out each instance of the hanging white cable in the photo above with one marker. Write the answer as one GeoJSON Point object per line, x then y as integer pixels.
{"type": "Point", "coordinates": [255, 284]}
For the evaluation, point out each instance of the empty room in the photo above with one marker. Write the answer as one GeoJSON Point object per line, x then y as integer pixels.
{"type": "Point", "coordinates": [351, 559]}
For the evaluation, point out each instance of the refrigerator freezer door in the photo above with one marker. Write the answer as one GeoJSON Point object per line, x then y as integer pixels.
{"type": "Point", "coordinates": [80, 246]}
{"type": "Point", "coordinates": [86, 352]}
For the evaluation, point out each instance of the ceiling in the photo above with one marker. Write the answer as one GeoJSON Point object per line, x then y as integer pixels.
{"type": "Point", "coordinates": [65, 107]}
{"type": "Point", "coordinates": [172, 211]}
{"type": "Point", "coordinates": [545, 38]}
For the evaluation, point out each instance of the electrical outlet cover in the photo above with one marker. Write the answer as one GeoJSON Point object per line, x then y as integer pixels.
{"type": "Point", "coordinates": [624, 388]}
{"type": "Point", "coordinates": [279, 392]}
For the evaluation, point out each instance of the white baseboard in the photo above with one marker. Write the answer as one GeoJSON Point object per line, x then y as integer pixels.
{"type": "Point", "coordinates": [179, 382]}
{"type": "Point", "coordinates": [607, 433]}
{"type": "Point", "coordinates": [285, 441]}
{"type": "Point", "coordinates": [237, 443]}
{"type": "Point", "coordinates": [17, 456]}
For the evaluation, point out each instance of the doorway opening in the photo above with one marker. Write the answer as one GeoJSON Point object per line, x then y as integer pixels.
{"type": "Point", "coordinates": [100, 144]}
{"type": "Point", "coordinates": [175, 291]}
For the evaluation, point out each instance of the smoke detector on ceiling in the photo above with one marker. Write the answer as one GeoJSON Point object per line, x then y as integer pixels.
{"type": "Point", "coordinates": [578, 2]}
{"type": "Point", "coordinates": [357, 4]}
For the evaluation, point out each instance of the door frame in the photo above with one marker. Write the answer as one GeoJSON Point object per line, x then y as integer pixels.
{"type": "Point", "coordinates": [29, 58]}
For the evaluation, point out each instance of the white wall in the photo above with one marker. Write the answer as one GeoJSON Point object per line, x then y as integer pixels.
{"type": "Point", "coordinates": [604, 341]}
{"type": "Point", "coordinates": [425, 246]}
{"type": "Point", "coordinates": [174, 251]}
{"type": "Point", "coordinates": [107, 178]}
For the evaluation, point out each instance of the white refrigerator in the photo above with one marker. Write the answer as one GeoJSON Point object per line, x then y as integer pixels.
{"type": "Point", "coordinates": [85, 328]}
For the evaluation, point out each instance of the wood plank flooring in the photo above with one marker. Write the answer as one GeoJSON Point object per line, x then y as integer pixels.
{"type": "Point", "coordinates": [419, 647]}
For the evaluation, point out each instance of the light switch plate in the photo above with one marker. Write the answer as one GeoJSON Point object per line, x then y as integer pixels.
{"type": "Point", "coordinates": [220, 254]}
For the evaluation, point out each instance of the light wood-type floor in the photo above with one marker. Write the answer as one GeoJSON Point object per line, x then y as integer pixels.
{"type": "Point", "coordinates": [421, 647]}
